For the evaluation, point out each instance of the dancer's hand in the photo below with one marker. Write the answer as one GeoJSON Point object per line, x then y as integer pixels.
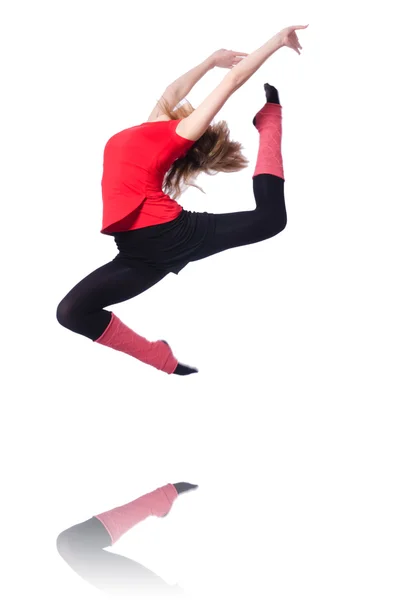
{"type": "Point", "coordinates": [287, 37]}
{"type": "Point", "coordinates": [226, 59]}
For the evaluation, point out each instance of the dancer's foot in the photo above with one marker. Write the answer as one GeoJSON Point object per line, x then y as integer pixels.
{"type": "Point", "coordinates": [182, 369]}
{"type": "Point", "coordinates": [271, 96]}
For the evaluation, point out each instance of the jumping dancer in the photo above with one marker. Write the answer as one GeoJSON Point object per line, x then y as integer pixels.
{"type": "Point", "coordinates": [146, 164]}
{"type": "Point", "coordinates": [82, 546]}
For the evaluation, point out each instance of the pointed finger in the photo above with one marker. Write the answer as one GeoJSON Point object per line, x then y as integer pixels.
{"type": "Point", "coordinates": [296, 41]}
{"type": "Point", "coordinates": [293, 47]}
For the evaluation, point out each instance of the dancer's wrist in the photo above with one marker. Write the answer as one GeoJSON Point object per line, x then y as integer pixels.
{"type": "Point", "coordinates": [277, 41]}
{"type": "Point", "coordinates": [210, 61]}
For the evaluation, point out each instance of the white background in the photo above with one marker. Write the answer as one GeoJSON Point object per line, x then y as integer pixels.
{"type": "Point", "coordinates": [290, 426]}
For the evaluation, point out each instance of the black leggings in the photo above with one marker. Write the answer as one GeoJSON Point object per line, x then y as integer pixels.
{"type": "Point", "coordinates": [147, 255]}
{"type": "Point", "coordinates": [82, 547]}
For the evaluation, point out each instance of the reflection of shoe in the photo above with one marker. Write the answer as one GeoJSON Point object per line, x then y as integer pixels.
{"type": "Point", "coordinates": [182, 488]}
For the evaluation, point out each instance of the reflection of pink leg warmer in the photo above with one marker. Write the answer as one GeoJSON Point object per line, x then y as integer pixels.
{"type": "Point", "coordinates": [119, 337]}
{"type": "Point", "coordinates": [119, 520]}
{"type": "Point", "coordinates": [268, 123]}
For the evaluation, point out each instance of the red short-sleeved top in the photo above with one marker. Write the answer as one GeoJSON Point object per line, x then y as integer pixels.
{"type": "Point", "coordinates": [135, 163]}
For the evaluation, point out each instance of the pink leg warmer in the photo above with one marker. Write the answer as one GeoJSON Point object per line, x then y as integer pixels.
{"type": "Point", "coordinates": [268, 123]}
{"type": "Point", "coordinates": [119, 337]}
{"type": "Point", "coordinates": [121, 519]}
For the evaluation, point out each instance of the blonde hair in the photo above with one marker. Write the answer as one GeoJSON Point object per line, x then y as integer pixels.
{"type": "Point", "coordinates": [213, 153]}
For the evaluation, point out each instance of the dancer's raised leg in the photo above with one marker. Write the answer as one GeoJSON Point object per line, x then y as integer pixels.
{"type": "Point", "coordinates": [269, 217]}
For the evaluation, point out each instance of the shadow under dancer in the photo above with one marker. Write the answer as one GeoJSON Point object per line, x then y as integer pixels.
{"type": "Point", "coordinates": [82, 546]}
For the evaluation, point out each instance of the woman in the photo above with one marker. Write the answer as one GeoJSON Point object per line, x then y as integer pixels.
{"type": "Point", "coordinates": [82, 546]}
{"type": "Point", "coordinates": [153, 233]}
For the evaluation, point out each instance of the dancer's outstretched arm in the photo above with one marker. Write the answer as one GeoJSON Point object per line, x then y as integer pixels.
{"type": "Point", "coordinates": [195, 125]}
{"type": "Point", "coordinates": [180, 88]}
